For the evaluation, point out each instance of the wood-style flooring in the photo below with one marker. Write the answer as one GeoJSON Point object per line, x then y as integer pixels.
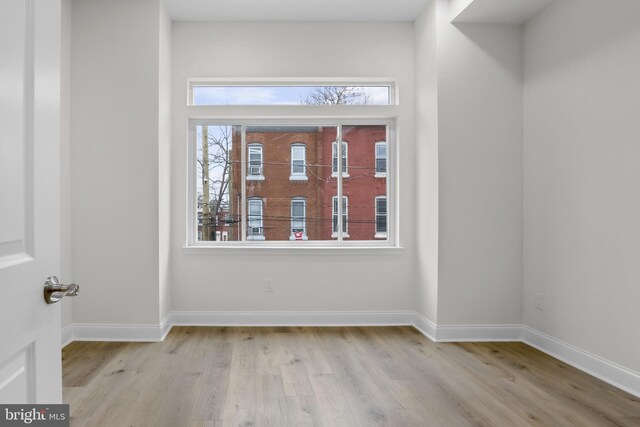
{"type": "Point", "coordinates": [373, 376]}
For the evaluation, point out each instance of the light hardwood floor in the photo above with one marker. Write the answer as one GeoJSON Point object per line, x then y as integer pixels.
{"type": "Point", "coordinates": [392, 376]}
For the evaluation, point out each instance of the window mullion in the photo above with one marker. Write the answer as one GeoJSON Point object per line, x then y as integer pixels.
{"type": "Point", "coordinates": [243, 177]}
{"type": "Point", "coordinates": [339, 182]}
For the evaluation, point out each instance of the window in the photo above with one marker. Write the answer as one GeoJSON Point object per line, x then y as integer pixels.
{"type": "Point", "coordinates": [381, 217]}
{"type": "Point", "coordinates": [298, 162]}
{"type": "Point", "coordinates": [210, 93]}
{"type": "Point", "coordinates": [330, 183]}
{"type": "Point", "coordinates": [255, 229]}
{"type": "Point", "coordinates": [298, 219]}
{"type": "Point", "coordinates": [255, 171]}
{"type": "Point", "coordinates": [334, 160]}
{"type": "Point", "coordinates": [345, 217]}
{"type": "Point", "coordinates": [381, 159]}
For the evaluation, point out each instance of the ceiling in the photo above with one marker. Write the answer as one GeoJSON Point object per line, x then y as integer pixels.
{"type": "Point", "coordinates": [296, 10]}
{"type": "Point", "coordinates": [501, 11]}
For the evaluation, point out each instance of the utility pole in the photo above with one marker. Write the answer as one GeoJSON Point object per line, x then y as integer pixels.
{"type": "Point", "coordinates": [206, 207]}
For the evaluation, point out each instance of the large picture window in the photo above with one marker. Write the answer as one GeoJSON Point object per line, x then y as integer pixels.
{"type": "Point", "coordinates": [269, 183]}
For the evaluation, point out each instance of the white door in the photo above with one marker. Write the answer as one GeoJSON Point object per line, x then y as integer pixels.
{"type": "Point", "coordinates": [29, 200]}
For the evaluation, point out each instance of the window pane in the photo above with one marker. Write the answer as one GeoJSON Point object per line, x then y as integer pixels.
{"type": "Point", "coordinates": [290, 95]}
{"type": "Point", "coordinates": [362, 188]}
{"type": "Point", "coordinates": [255, 161]}
{"type": "Point", "coordinates": [217, 210]}
{"type": "Point", "coordinates": [296, 188]}
{"type": "Point", "coordinates": [381, 157]}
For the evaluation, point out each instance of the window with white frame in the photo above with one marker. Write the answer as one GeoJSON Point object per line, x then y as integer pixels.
{"type": "Point", "coordinates": [298, 162]}
{"type": "Point", "coordinates": [344, 225]}
{"type": "Point", "coordinates": [334, 159]}
{"type": "Point", "coordinates": [255, 168]}
{"type": "Point", "coordinates": [255, 230]}
{"type": "Point", "coordinates": [381, 159]}
{"type": "Point", "coordinates": [346, 197]}
{"type": "Point", "coordinates": [298, 219]}
{"type": "Point", "coordinates": [381, 216]}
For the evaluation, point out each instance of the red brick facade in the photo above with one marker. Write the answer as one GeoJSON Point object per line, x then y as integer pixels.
{"type": "Point", "coordinates": [277, 186]}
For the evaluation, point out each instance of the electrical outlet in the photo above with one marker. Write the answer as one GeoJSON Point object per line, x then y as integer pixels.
{"type": "Point", "coordinates": [538, 302]}
{"type": "Point", "coordinates": [268, 285]}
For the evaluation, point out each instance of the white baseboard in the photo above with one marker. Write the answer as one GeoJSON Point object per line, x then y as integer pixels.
{"type": "Point", "coordinates": [478, 333]}
{"type": "Point", "coordinates": [125, 333]}
{"type": "Point", "coordinates": [601, 368]}
{"type": "Point", "coordinates": [292, 318]}
{"type": "Point", "coordinates": [425, 326]}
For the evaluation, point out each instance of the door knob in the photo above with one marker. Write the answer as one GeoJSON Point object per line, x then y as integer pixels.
{"type": "Point", "coordinates": [54, 291]}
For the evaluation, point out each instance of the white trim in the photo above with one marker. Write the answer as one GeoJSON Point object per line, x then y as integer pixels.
{"type": "Point", "coordinates": [124, 333]}
{"type": "Point", "coordinates": [425, 326]}
{"type": "Point", "coordinates": [293, 318]}
{"type": "Point", "coordinates": [599, 367]}
{"type": "Point", "coordinates": [67, 336]}
{"type": "Point", "coordinates": [478, 333]}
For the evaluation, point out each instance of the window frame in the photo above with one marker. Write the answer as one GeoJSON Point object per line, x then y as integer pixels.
{"type": "Point", "coordinates": [255, 237]}
{"type": "Point", "coordinates": [251, 176]}
{"type": "Point", "coordinates": [378, 234]}
{"type": "Point", "coordinates": [345, 159]}
{"type": "Point", "coordinates": [386, 148]}
{"type": "Point", "coordinates": [391, 83]}
{"type": "Point", "coordinates": [297, 176]}
{"type": "Point", "coordinates": [288, 117]}
{"type": "Point", "coordinates": [304, 217]}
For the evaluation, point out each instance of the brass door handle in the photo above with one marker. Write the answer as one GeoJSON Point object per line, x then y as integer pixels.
{"type": "Point", "coordinates": [54, 290]}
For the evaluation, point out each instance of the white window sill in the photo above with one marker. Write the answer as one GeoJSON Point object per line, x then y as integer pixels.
{"type": "Point", "coordinates": [304, 237]}
{"type": "Point", "coordinates": [298, 178]}
{"type": "Point", "coordinates": [335, 236]}
{"type": "Point", "coordinates": [380, 175]}
{"type": "Point", "coordinates": [344, 175]}
{"type": "Point", "coordinates": [302, 248]}
{"type": "Point", "coordinates": [380, 236]}
{"type": "Point", "coordinates": [258, 238]}
{"type": "Point", "coordinates": [255, 177]}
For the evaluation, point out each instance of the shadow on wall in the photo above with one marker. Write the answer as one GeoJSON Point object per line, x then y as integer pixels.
{"type": "Point", "coordinates": [497, 41]}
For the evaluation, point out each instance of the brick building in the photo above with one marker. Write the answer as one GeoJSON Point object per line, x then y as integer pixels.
{"type": "Point", "coordinates": [291, 183]}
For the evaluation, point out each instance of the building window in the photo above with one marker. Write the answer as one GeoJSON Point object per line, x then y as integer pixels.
{"type": "Point", "coordinates": [228, 207]}
{"type": "Point", "coordinates": [255, 228]}
{"type": "Point", "coordinates": [381, 159]}
{"type": "Point", "coordinates": [255, 169]}
{"type": "Point", "coordinates": [298, 219]}
{"type": "Point", "coordinates": [334, 160]}
{"type": "Point", "coordinates": [381, 217]}
{"type": "Point", "coordinates": [345, 217]}
{"type": "Point", "coordinates": [298, 162]}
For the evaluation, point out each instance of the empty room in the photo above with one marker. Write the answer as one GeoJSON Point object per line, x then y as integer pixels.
{"type": "Point", "coordinates": [320, 213]}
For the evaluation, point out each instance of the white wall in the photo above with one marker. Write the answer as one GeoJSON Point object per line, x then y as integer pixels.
{"type": "Point", "coordinates": [115, 158]}
{"type": "Point", "coordinates": [302, 282]}
{"type": "Point", "coordinates": [478, 90]}
{"type": "Point", "coordinates": [582, 175]}
{"type": "Point", "coordinates": [426, 84]}
{"type": "Point", "coordinates": [164, 162]}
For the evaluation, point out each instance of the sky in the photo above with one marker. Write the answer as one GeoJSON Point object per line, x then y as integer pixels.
{"type": "Point", "coordinates": [271, 95]}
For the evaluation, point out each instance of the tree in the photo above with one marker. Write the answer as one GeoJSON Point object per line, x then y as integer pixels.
{"type": "Point", "coordinates": [337, 95]}
{"type": "Point", "coordinates": [215, 171]}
